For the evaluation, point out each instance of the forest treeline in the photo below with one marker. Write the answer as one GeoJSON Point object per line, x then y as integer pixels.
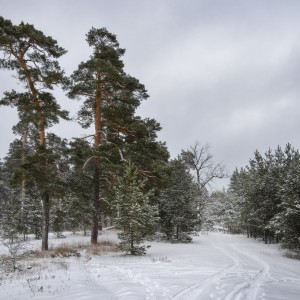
{"type": "Point", "coordinates": [263, 199]}
{"type": "Point", "coordinates": [121, 174]}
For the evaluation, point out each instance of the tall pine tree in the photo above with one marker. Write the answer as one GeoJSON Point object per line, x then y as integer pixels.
{"type": "Point", "coordinates": [110, 100]}
{"type": "Point", "coordinates": [33, 56]}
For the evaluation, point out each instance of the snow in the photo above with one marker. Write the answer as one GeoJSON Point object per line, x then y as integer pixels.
{"type": "Point", "coordinates": [215, 266]}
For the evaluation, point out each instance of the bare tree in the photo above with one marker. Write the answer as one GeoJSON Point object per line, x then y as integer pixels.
{"type": "Point", "coordinates": [17, 248]}
{"type": "Point", "coordinates": [199, 159]}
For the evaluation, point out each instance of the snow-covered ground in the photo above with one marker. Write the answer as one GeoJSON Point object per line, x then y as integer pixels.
{"type": "Point", "coordinates": [214, 266]}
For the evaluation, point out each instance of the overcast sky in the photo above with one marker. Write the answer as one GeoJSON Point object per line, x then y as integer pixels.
{"type": "Point", "coordinates": [223, 72]}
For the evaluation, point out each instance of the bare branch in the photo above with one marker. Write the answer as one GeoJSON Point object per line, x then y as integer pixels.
{"type": "Point", "coordinates": [121, 155]}
{"type": "Point", "coordinates": [94, 157]}
{"type": "Point", "coordinates": [199, 159]}
{"type": "Point", "coordinates": [147, 174]}
{"type": "Point", "coordinates": [85, 137]}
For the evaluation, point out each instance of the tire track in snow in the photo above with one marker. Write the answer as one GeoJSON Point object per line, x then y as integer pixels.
{"type": "Point", "coordinates": [252, 280]}
{"type": "Point", "coordinates": [194, 291]}
{"type": "Point", "coordinates": [257, 281]}
{"type": "Point", "coordinates": [238, 291]}
{"type": "Point", "coordinates": [247, 289]}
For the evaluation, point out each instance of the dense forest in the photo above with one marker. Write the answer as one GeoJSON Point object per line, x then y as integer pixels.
{"type": "Point", "coordinates": [120, 174]}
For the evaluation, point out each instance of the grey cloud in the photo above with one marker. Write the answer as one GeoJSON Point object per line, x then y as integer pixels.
{"type": "Point", "coordinates": [221, 72]}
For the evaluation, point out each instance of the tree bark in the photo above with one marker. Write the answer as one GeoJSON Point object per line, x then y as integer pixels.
{"type": "Point", "coordinates": [96, 205]}
{"type": "Point", "coordinates": [98, 115]}
{"type": "Point", "coordinates": [23, 184]}
{"type": "Point", "coordinates": [42, 133]}
{"type": "Point", "coordinates": [45, 225]}
{"type": "Point", "coordinates": [131, 242]}
{"type": "Point", "coordinates": [98, 133]}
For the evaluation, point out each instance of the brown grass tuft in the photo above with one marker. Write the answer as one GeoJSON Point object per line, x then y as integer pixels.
{"type": "Point", "coordinates": [75, 249]}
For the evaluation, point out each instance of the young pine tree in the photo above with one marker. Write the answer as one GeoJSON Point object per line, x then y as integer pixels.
{"type": "Point", "coordinates": [136, 217]}
{"type": "Point", "coordinates": [179, 203]}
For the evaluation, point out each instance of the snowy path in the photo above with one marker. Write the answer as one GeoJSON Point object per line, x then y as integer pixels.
{"type": "Point", "coordinates": [217, 266]}
{"type": "Point", "coordinates": [253, 271]}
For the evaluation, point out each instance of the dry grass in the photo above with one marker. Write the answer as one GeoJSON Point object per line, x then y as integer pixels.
{"type": "Point", "coordinates": [75, 249]}
{"type": "Point", "coordinates": [96, 249]}
{"type": "Point", "coordinates": [58, 256]}
{"type": "Point", "coordinates": [292, 255]}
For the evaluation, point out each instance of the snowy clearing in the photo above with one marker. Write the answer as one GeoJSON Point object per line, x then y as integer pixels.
{"type": "Point", "coordinates": [214, 266]}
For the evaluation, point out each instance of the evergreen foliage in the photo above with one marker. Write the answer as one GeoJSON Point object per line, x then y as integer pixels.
{"type": "Point", "coordinates": [11, 222]}
{"type": "Point", "coordinates": [4, 188]}
{"type": "Point", "coordinates": [33, 56]}
{"type": "Point", "coordinates": [136, 217]}
{"type": "Point", "coordinates": [223, 212]}
{"type": "Point", "coordinates": [49, 182]}
{"type": "Point", "coordinates": [78, 204]}
{"type": "Point", "coordinates": [110, 98]}
{"type": "Point", "coordinates": [269, 187]}
{"type": "Point", "coordinates": [179, 203]}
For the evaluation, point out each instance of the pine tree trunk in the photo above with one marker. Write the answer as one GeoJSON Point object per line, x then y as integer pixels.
{"type": "Point", "coordinates": [23, 197]}
{"type": "Point", "coordinates": [98, 133]}
{"type": "Point", "coordinates": [96, 204]}
{"type": "Point", "coordinates": [98, 115]}
{"type": "Point", "coordinates": [23, 184]}
{"type": "Point", "coordinates": [131, 242]}
{"type": "Point", "coordinates": [46, 196]}
{"type": "Point", "coordinates": [45, 226]}
{"type": "Point", "coordinates": [42, 133]}
{"type": "Point", "coordinates": [265, 237]}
